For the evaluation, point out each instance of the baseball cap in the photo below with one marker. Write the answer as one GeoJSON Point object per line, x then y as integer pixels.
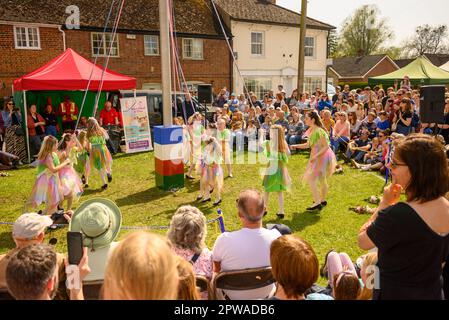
{"type": "Point", "coordinates": [29, 225]}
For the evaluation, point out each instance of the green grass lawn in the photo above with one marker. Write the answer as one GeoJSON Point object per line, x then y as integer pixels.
{"type": "Point", "coordinates": [142, 204]}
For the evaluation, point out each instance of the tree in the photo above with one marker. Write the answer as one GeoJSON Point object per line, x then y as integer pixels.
{"type": "Point", "coordinates": [364, 32]}
{"type": "Point", "coordinates": [428, 39]}
{"type": "Point", "coordinates": [333, 43]}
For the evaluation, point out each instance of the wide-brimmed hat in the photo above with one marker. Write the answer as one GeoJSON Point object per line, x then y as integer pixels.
{"type": "Point", "coordinates": [99, 220]}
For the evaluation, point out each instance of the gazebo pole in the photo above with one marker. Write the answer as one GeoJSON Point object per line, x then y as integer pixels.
{"type": "Point", "coordinates": [25, 109]}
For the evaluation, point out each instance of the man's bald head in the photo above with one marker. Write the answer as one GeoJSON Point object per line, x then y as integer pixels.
{"type": "Point", "coordinates": [251, 205]}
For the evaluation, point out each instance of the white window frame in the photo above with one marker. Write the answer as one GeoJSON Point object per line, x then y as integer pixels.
{"type": "Point", "coordinates": [27, 47]}
{"type": "Point", "coordinates": [262, 44]}
{"type": "Point", "coordinates": [106, 48]}
{"type": "Point", "coordinates": [184, 56]}
{"type": "Point", "coordinates": [308, 47]}
{"type": "Point", "coordinates": [145, 44]}
{"type": "Point", "coordinates": [311, 83]}
{"type": "Point", "coordinates": [259, 82]}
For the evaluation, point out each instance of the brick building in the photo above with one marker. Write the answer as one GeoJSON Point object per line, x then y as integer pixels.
{"type": "Point", "coordinates": [355, 71]}
{"type": "Point", "coordinates": [27, 41]}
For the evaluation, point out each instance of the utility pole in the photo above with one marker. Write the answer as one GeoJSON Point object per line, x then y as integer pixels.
{"type": "Point", "coordinates": [165, 63]}
{"type": "Point", "coordinates": [302, 39]}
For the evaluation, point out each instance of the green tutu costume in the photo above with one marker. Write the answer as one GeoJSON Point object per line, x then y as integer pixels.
{"type": "Point", "coordinates": [276, 177]}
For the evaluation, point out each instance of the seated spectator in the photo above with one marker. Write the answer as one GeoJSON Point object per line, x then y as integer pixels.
{"type": "Point", "coordinates": [293, 100]}
{"type": "Point", "coordinates": [280, 119]}
{"type": "Point", "coordinates": [368, 275]}
{"type": "Point", "coordinates": [328, 122]}
{"type": "Point", "coordinates": [346, 286]}
{"type": "Point", "coordinates": [246, 248]}
{"type": "Point", "coordinates": [222, 99]}
{"type": "Point", "coordinates": [255, 103]}
{"type": "Point", "coordinates": [29, 229]}
{"type": "Point", "coordinates": [324, 103]}
{"type": "Point", "coordinates": [303, 103]}
{"type": "Point", "coordinates": [99, 220]}
{"type": "Point", "coordinates": [382, 154]}
{"type": "Point", "coordinates": [141, 267]}
{"type": "Point", "coordinates": [295, 268]}
{"type": "Point", "coordinates": [341, 133]}
{"type": "Point", "coordinates": [384, 122]}
{"type": "Point", "coordinates": [370, 125]}
{"type": "Point", "coordinates": [187, 234]}
{"type": "Point", "coordinates": [265, 127]}
{"type": "Point", "coordinates": [187, 289]}
{"type": "Point", "coordinates": [295, 130]}
{"type": "Point", "coordinates": [403, 118]}
{"type": "Point", "coordinates": [413, 237]}
{"type": "Point", "coordinates": [233, 103]}
{"type": "Point", "coordinates": [32, 273]}
{"type": "Point", "coordinates": [8, 161]}
{"type": "Point", "coordinates": [358, 148]}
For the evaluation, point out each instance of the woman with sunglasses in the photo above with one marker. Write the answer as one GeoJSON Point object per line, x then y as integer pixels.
{"type": "Point", "coordinates": [14, 135]}
{"type": "Point", "coordinates": [412, 237]}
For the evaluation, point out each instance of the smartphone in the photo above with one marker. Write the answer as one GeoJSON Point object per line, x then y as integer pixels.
{"type": "Point", "coordinates": [75, 247]}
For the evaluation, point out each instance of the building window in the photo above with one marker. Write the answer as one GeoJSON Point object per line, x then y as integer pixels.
{"type": "Point", "coordinates": [310, 47]}
{"type": "Point", "coordinates": [192, 49]}
{"type": "Point", "coordinates": [151, 45]}
{"type": "Point", "coordinates": [26, 37]}
{"type": "Point", "coordinates": [101, 42]}
{"type": "Point", "coordinates": [311, 83]}
{"type": "Point", "coordinates": [257, 43]}
{"type": "Point", "coordinates": [259, 86]}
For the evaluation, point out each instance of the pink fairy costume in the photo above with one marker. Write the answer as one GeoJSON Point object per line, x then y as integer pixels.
{"type": "Point", "coordinates": [70, 182]}
{"type": "Point", "coordinates": [324, 166]}
{"type": "Point", "coordinates": [47, 188]}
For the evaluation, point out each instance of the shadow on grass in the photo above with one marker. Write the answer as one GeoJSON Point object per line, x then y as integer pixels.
{"type": "Point", "coordinates": [6, 240]}
{"type": "Point", "coordinates": [299, 221]}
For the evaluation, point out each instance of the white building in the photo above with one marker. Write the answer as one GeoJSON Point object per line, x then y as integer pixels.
{"type": "Point", "coordinates": [266, 44]}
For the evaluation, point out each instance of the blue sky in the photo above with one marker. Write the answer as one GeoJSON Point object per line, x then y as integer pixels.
{"type": "Point", "coordinates": [403, 16]}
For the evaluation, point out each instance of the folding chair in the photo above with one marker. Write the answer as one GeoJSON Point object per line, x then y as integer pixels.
{"type": "Point", "coordinates": [4, 294]}
{"type": "Point", "coordinates": [238, 280]}
{"type": "Point", "coordinates": [92, 290]}
{"type": "Point", "coordinates": [203, 284]}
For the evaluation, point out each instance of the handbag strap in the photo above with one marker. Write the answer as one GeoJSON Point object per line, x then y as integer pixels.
{"type": "Point", "coordinates": [194, 258]}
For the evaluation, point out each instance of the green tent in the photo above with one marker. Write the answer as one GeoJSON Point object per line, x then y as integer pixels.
{"type": "Point", "coordinates": [421, 72]}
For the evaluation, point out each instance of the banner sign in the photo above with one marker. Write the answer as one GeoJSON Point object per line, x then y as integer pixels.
{"type": "Point", "coordinates": [136, 124]}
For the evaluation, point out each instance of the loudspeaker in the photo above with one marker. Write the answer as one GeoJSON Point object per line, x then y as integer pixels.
{"type": "Point", "coordinates": [432, 104]}
{"type": "Point", "coordinates": [205, 93]}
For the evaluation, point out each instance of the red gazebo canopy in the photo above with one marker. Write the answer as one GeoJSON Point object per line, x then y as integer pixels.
{"type": "Point", "coordinates": [71, 71]}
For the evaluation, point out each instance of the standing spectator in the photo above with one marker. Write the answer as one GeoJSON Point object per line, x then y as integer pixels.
{"type": "Point", "coordinates": [154, 273]}
{"type": "Point", "coordinates": [222, 99]}
{"type": "Point", "coordinates": [444, 127]}
{"type": "Point", "coordinates": [50, 121]}
{"type": "Point", "coordinates": [233, 103]}
{"type": "Point", "coordinates": [2, 131]}
{"type": "Point", "coordinates": [36, 130]}
{"type": "Point", "coordinates": [412, 237]}
{"type": "Point", "coordinates": [14, 134]}
{"type": "Point", "coordinates": [108, 116]}
{"type": "Point", "coordinates": [403, 118]}
{"type": "Point", "coordinates": [69, 113]}
{"type": "Point", "coordinates": [246, 248]}
{"type": "Point", "coordinates": [6, 120]}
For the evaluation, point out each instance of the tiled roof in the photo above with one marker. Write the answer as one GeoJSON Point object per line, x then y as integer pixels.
{"type": "Point", "coordinates": [436, 59]}
{"type": "Point", "coordinates": [192, 16]}
{"type": "Point", "coordinates": [264, 11]}
{"type": "Point", "coordinates": [356, 66]}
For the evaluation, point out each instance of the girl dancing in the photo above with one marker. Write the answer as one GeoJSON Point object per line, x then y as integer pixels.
{"type": "Point", "coordinates": [47, 187]}
{"type": "Point", "coordinates": [322, 160]}
{"type": "Point", "coordinates": [100, 158]}
{"type": "Point", "coordinates": [276, 177]}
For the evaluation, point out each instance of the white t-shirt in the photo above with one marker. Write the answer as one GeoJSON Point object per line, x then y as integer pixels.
{"type": "Point", "coordinates": [245, 249]}
{"type": "Point", "coordinates": [98, 260]}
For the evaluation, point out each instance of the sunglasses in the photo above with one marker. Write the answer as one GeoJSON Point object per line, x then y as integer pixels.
{"type": "Point", "coordinates": [394, 165]}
